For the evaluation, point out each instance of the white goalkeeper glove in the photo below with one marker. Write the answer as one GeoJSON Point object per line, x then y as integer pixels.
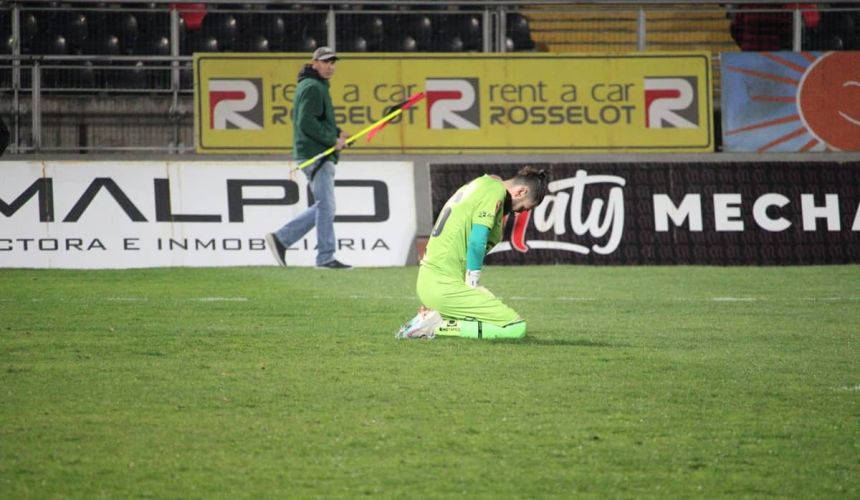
{"type": "Point", "coordinates": [473, 278]}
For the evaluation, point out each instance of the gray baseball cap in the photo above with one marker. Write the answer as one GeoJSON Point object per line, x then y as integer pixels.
{"type": "Point", "coordinates": [324, 54]}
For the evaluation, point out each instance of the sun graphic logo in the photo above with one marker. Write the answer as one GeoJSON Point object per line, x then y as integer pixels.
{"type": "Point", "coordinates": [234, 103]}
{"type": "Point", "coordinates": [453, 103]}
{"type": "Point", "coordinates": [828, 100]}
{"type": "Point", "coordinates": [671, 102]}
{"type": "Point", "coordinates": [805, 101]}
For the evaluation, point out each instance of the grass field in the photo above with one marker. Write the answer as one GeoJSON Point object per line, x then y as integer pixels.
{"type": "Point", "coordinates": [656, 382]}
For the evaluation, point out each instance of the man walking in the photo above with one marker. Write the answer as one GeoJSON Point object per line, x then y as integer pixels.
{"type": "Point", "coordinates": [314, 131]}
{"type": "Point", "coordinates": [469, 225]}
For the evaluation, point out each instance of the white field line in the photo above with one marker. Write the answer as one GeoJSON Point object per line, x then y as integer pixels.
{"type": "Point", "coordinates": [220, 299]}
{"type": "Point", "coordinates": [193, 299]}
{"type": "Point", "coordinates": [372, 297]}
{"type": "Point", "coordinates": [561, 299]}
{"type": "Point", "coordinates": [849, 388]}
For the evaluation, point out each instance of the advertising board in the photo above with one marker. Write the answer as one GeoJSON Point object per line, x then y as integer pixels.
{"type": "Point", "coordinates": [65, 214]}
{"type": "Point", "coordinates": [680, 213]}
{"type": "Point", "coordinates": [476, 103]}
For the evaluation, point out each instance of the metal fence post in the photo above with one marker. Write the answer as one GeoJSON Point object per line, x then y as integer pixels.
{"type": "Point", "coordinates": [330, 29]}
{"type": "Point", "coordinates": [797, 32]}
{"type": "Point", "coordinates": [488, 31]}
{"type": "Point", "coordinates": [503, 27]}
{"type": "Point", "coordinates": [175, 80]}
{"type": "Point", "coordinates": [640, 30]}
{"type": "Point", "coordinates": [16, 78]}
{"type": "Point", "coordinates": [37, 107]}
{"type": "Point", "coordinates": [174, 48]}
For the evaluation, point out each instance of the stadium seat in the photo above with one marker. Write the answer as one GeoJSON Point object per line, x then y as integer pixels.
{"type": "Point", "coordinates": [360, 33]}
{"type": "Point", "coordinates": [29, 26]}
{"type": "Point", "coordinates": [465, 27]}
{"type": "Point", "coordinates": [419, 27]}
{"type": "Point", "coordinates": [355, 43]}
{"type": "Point", "coordinates": [312, 26]}
{"type": "Point", "coordinates": [132, 76]}
{"type": "Point", "coordinates": [106, 44]}
{"type": "Point", "coordinates": [407, 33]}
{"type": "Point", "coordinates": [517, 30]}
{"type": "Point", "coordinates": [372, 28]}
{"type": "Point", "coordinates": [200, 42]}
{"type": "Point", "coordinates": [223, 27]}
{"type": "Point", "coordinates": [151, 16]}
{"type": "Point", "coordinates": [154, 46]}
{"type": "Point", "coordinates": [450, 43]}
{"type": "Point", "coordinates": [837, 31]}
{"type": "Point", "coordinates": [253, 43]}
{"type": "Point", "coordinates": [76, 29]}
{"type": "Point", "coordinates": [400, 43]}
{"type": "Point", "coordinates": [309, 44]}
{"type": "Point", "coordinates": [155, 32]}
{"type": "Point", "coordinates": [271, 27]}
{"type": "Point", "coordinates": [125, 27]}
{"type": "Point", "coordinates": [6, 39]}
{"type": "Point", "coordinates": [52, 43]}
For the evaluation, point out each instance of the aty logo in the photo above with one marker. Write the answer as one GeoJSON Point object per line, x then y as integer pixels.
{"type": "Point", "coordinates": [565, 208]}
{"type": "Point", "coordinates": [453, 103]}
{"type": "Point", "coordinates": [235, 104]}
{"type": "Point", "coordinates": [671, 102]}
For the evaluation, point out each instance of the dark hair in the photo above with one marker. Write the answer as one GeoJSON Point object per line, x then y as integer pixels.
{"type": "Point", "coordinates": [534, 179]}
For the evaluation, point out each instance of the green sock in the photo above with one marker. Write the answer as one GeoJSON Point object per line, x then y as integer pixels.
{"type": "Point", "coordinates": [480, 330]}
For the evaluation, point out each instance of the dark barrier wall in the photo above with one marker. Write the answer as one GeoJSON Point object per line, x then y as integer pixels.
{"type": "Point", "coordinates": [690, 213]}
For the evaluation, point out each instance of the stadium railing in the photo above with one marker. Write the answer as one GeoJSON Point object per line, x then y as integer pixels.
{"type": "Point", "coordinates": [68, 70]}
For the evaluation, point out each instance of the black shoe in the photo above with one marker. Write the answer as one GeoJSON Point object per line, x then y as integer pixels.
{"type": "Point", "coordinates": [334, 264]}
{"type": "Point", "coordinates": [277, 248]}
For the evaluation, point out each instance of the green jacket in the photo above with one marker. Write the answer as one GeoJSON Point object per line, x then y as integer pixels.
{"type": "Point", "coordinates": [314, 129]}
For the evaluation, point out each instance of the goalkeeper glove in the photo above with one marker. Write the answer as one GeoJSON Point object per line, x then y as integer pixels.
{"type": "Point", "coordinates": [473, 278]}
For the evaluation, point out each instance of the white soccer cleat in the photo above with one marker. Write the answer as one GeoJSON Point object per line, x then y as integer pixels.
{"type": "Point", "coordinates": [423, 325]}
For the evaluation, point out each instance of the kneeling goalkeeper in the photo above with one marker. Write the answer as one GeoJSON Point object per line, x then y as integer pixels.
{"type": "Point", "coordinates": [469, 225]}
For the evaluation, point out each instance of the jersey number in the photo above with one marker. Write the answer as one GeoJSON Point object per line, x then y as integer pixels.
{"type": "Point", "coordinates": [446, 212]}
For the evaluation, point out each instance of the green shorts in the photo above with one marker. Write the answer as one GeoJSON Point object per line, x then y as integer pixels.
{"type": "Point", "coordinates": [454, 299]}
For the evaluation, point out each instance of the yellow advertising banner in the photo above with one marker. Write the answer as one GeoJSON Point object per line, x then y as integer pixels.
{"type": "Point", "coordinates": [476, 103]}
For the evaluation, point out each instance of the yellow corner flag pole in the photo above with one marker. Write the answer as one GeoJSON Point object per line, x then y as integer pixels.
{"type": "Point", "coordinates": [378, 125]}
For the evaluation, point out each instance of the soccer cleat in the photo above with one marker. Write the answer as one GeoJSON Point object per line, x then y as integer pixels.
{"type": "Point", "coordinates": [423, 325]}
{"type": "Point", "coordinates": [334, 264]}
{"type": "Point", "coordinates": [277, 248]}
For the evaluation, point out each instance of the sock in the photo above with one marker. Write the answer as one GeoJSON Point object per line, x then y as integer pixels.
{"type": "Point", "coordinates": [480, 330]}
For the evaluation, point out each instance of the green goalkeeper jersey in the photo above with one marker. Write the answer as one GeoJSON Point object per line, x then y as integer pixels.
{"type": "Point", "coordinates": [478, 202]}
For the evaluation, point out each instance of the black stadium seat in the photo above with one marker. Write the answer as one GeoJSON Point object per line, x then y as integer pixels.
{"type": "Point", "coordinates": [259, 30]}
{"type": "Point", "coordinates": [29, 26]}
{"type": "Point", "coordinates": [126, 28]}
{"type": "Point", "coordinates": [517, 30]}
{"type": "Point", "coordinates": [76, 29]}
{"type": "Point", "coordinates": [6, 38]}
{"type": "Point", "coordinates": [420, 27]}
{"type": "Point", "coordinates": [114, 29]}
{"type": "Point", "coordinates": [223, 27]}
{"type": "Point", "coordinates": [465, 27]}
{"type": "Point", "coordinates": [200, 42]}
{"type": "Point", "coordinates": [253, 43]}
{"type": "Point", "coordinates": [449, 42]}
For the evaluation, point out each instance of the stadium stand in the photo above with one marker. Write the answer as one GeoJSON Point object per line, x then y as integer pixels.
{"type": "Point", "coordinates": [613, 29]}
{"type": "Point", "coordinates": [115, 49]}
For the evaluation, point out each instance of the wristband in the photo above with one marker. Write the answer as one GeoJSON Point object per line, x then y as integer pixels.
{"type": "Point", "coordinates": [473, 278]}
